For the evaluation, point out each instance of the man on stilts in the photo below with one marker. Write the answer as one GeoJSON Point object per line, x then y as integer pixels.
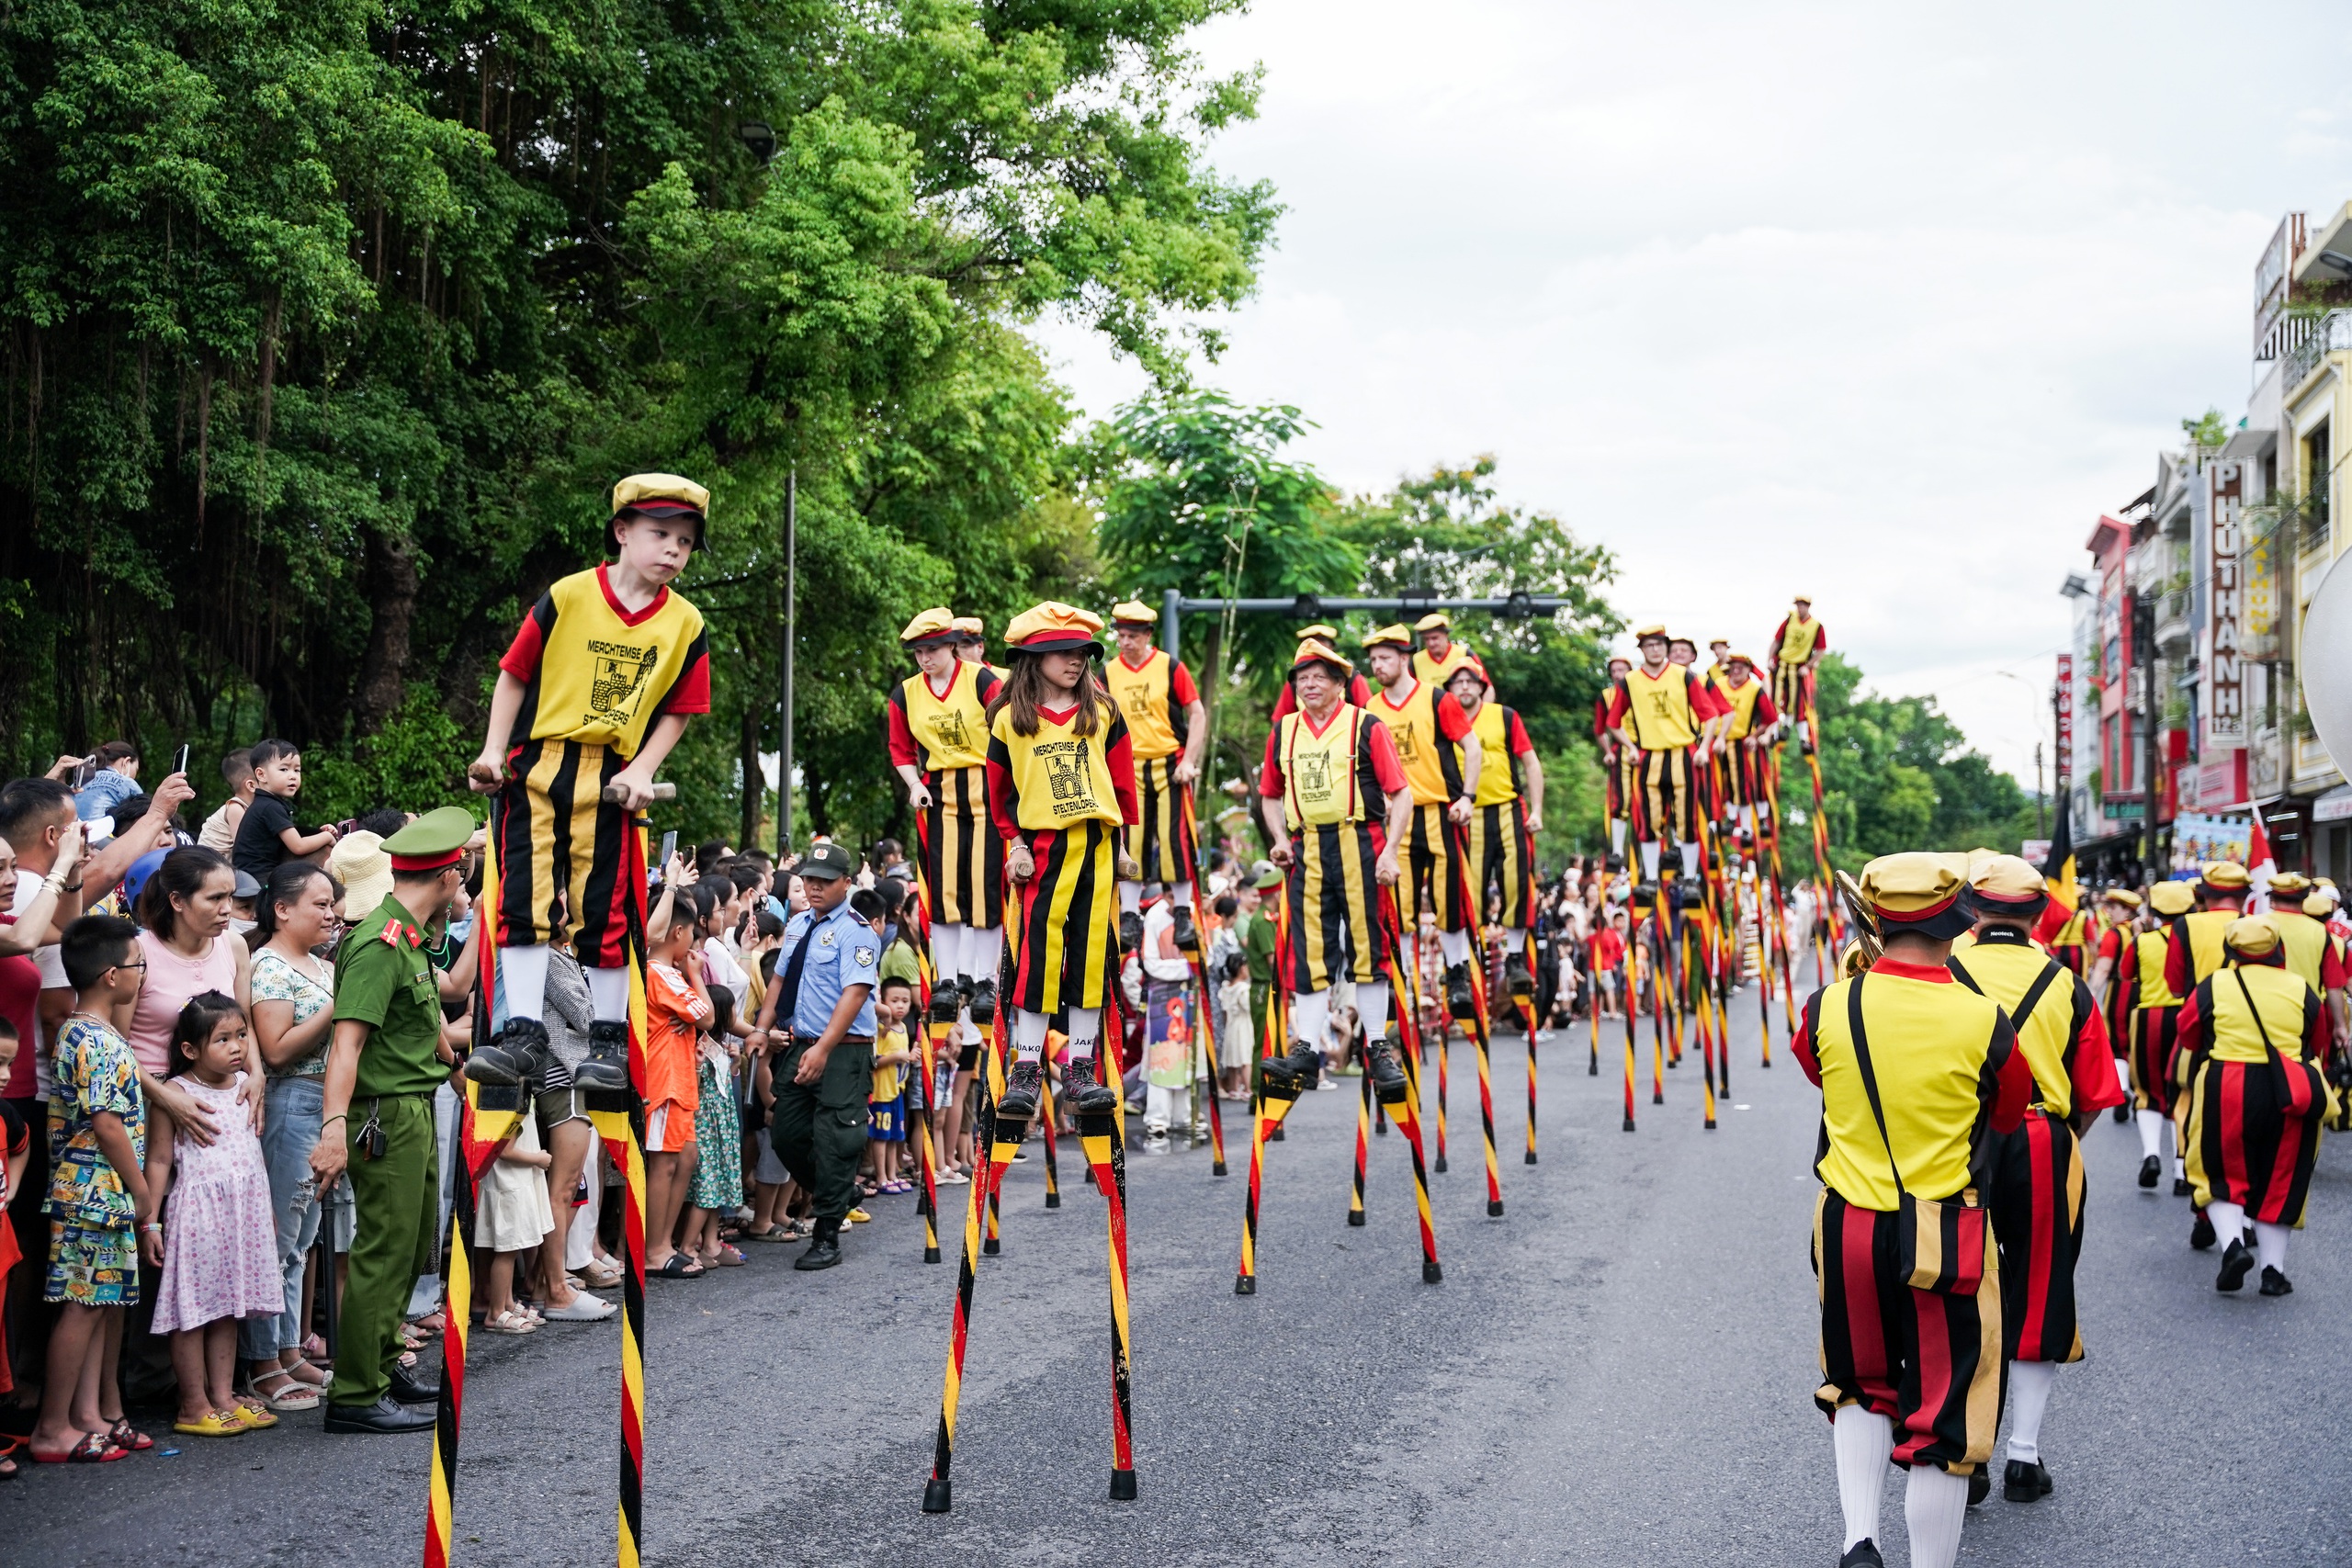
{"type": "Point", "coordinates": [1167, 730]}
{"type": "Point", "coordinates": [1798, 643]}
{"type": "Point", "coordinates": [1441, 758]}
{"type": "Point", "coordinates": [1658, 713]}
{"type": "Point", "coordinates": [1506, 813]}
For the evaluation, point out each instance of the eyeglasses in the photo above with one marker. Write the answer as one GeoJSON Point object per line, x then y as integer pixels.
{"type": "Point", "coordinates": [140, 965]}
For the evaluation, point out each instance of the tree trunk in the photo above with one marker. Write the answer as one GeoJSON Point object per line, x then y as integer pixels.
{"type": "Point", "coordinates": [752, 786]}
{"type": "Point", "coordinates": [392, 573]}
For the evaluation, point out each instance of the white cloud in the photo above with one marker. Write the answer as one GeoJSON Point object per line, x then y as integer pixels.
{"type": "Point", "coordinates": [1885, 304]}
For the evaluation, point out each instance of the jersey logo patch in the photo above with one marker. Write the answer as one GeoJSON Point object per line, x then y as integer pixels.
{"type": "Point", "coordinates": [621, 672]}
{"type": "Point", "coordinates": [1315, 773]}
{"type": "Point", "coordinates": [948, 726]}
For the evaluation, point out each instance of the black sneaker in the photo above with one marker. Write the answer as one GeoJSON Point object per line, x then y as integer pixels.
{"type": "Point", "coordinates": [2025, 1481]}
{"type": "Point", "coordinates": [607, 1064]}
{"type": "Point", "coordinates": [2180, 1186]}
{"type": "Point", "coordinates": [2274, 1283]}
{"type": "Point", "coordinates": [1863, 1554]}
{"type": "Point", "coordinates": [982, 997]}
{"type": "Point", "coordinates": [1389, 1080]}
{"type": "Point", "coordinates": [508, 1057]}
{"type": "Point", "coordinates": [946, 1002]}
{"type": "Point", "coordinates": [2236, 1263]}
{"type": "Point", "coordinates": [1458, 999]}
{"type": "Point", "coordinates": [1130, 932]}
{"type": "Point", "coordinates": [2151, 1170]}
{"type": "Point", "coordinates": [1516, 979]}
{"type": "Point", "coordinates": [1020, 1102]}
{"type": "Point", "coordinates": [1187, 934]}
{"type": "Point", "coordinates": [386, 1415]}
{"type": "Point", "coordinates": [824, 1251]}
{"type": "Point", "coordinates": [1296, 1073]}
{"type": "Point", "coordinates": [2200, 1234]}
{"type": "Point", "coordinates": [1082, 1094]}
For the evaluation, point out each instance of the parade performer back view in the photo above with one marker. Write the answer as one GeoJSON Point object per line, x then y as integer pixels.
{"type": "Point", "coordinates": [1913, 1070]}
{"type": "Point", "coordinates": [2034, 1183]}
{"type": "Point", "coordinates": [593, 693]}
{"type": "Point", "coordinates": [1798, 643]}
{"type": "Point", "coordinates": [2151, 1015]}
{"type": "Point", "coordinates": [1336, 804]}
{"type": "Point", "coordinates": [1168, 728]}
{"type": "Point", "coordinates": [939, 740]}
{"type": "Point", "coordinates": [1442, 759]}
{"type": "Point", "coordinates": [1061, 784]}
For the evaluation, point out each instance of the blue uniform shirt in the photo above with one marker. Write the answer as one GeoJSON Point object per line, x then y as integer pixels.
{"type": "Point", "coordinates": [844, 952]}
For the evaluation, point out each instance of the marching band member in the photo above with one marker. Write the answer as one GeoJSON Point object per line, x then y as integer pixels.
{"type": "Point", "coordinates": [2149, 1020]}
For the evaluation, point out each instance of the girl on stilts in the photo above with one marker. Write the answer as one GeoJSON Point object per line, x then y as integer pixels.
{"type": "Point", "coordinates": [1061, 784]}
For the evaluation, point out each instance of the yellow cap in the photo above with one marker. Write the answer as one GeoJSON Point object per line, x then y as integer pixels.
{"type": "Point", "coordinates": [1389, 636]}
{"type": "Point", "coordinates": [935, 626]}
{"type": "Point", "coordinates": [1802, 599]}
{"type": "Point", "coordinates": [2293, 884]}
{"type": "Point", "coordinates": [1053, 627]}
{"type": "Point", "coordinates": [2252, 935]}
{"type": "Point", "coordinates": [2171, 898]}
{"type": "Point", "coordinates": [1313, 650]}
{"type": "Point", "coordinates": [2006, 879]}
{"type": "Point", "coordinates": [1644, 634]}
{"type": "Point", "coordinates": [968, 625]}
{"type": "Point", "coordinates": [1322, 629]}
{"type": "Point", "coordinates": [1914, 887]}
{"type": "Point", "coordinates": [659, 492]}
{"type": "Point", "coordinates": [2226, 875]}
{"type": "Point", "coordinates": [1133, 612]}
{"type": "Point", "coordinates": [1732, 659]}
{"type": "Point", "coordinates": [2123, 896]}
{"type": "Point", "coordinates": [1436, 620]}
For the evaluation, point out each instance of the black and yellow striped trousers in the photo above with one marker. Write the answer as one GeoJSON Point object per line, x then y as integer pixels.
{"type": "Point", "coordinates": [1666, 797]}
{"type": "Point", "coordinates": [563, 851]}
{"type": "Point", "coordinates": [963, 859]}
{"type": "Point", "coordinates": [1502, 859]}
{"type": "Point", "coordinates": [1069, 919]}
{"type": "Point", "coordinates": [1430, 868]}
{"type": "Point", "coordinates": [1334, 892]}
{"type": "Point", "coordinates": [1158, 841]}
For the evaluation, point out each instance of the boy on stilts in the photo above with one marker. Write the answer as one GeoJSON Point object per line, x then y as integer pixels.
{"type": "Point", "coordinates": [592, 694]}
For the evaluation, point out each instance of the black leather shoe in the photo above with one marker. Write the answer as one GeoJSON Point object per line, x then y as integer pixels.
{"type": "Point", "coordinates": [498, 1062]}
{"type": "Point", "coordinates": [1296, 1073]}
{"type": "Point", "coordinates": [1458, 999]}
{"type": "Point", "coordinates": [1980, 1485]}
{"type": "Point", "coordinates": [607, 1067]}
{"type": "Point", "coordinates": [407, 1390]}
{"type": "Point", "coordinates": [1516, 979]}
{"type": "Point", "coordinates": [1187, 934]}
{"type": "Point", "coordinates": [2200, 1234]}
{"type": "Point", "coordinates": [2151, 1170]}
{"type": "Point", "coordinates": [1863, 1554]}
{"type": "Point", "coordinates": [946, 1002]}
{"type": "Point", "coordinates": [1082, 1094]}
{"type": "Point", "coordinates": [1020, 1102]}
{"type": "Point", "coordinates": [2025, 1481]}
{"type": "Point", "coordinates": [1388, 1081]}
{"type": "Point", "coordinates": [387, 1414]}
{"type": "Point", "coordinates": [1130, 932]}
{"type": "Point", "coordinates": [982, 999]}
{"type": "Point", "coordinates": [824, 1252]}
{"type": "Point", "coordinates": [2122, 1114]}
{"type": "Point", "coordinates": [2236, 1264]}
{"type": "Point", "coordinates": [2180, 1186]}
{"type": "Point", "coordinates": [2274, 1283]}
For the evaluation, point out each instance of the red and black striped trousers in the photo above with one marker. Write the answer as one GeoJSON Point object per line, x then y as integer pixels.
{"type": "Point", "coordinates": [2153, 1032]}
{"type": "Point", "coordinates": [1929, 1362]}
{"type": "Point", "coordinates": [2253, 1133]}
{"type": "Point", "coordinates": [2036, 1198]}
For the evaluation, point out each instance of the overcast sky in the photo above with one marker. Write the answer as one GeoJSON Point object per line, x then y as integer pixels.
{"type": "Point", "coordinates": [1883, 302]}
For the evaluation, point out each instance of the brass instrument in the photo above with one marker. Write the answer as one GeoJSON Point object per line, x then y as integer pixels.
{"type": "Point", "coordinates": [1857, 911]}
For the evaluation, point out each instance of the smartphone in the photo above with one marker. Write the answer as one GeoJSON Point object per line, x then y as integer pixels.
{"type": "Point", "coordinates": [179, 762]}
{"type": "Point", "coordinates": [669, 848]}
{"type": "Point", "coordinates": [83, 773]}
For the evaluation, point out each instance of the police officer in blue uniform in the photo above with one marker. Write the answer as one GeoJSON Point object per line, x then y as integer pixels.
{"type": "Point", "coordinates": [824, 996]}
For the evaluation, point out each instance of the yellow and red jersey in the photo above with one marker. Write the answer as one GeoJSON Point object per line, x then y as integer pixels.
{"type": "Point", "coordinates": [1428, 727]}
{"type": "Point", "coordinates": [1502, 741]}
{"type": "Point", "coordinates": [937, 730]}
{"type": "Point", "coordinates": [595, 672]}
{"type": "Point", "coordinates": [1795, 641]}
{"type": "Point", "coordinates": [1059, 777]}
{"type": "Point", "coordinates": [1342, 770]}
{"type": "Point", "coordinates": [1665, 712]}
{"type": "Point", "coordinates": [1153, 697]}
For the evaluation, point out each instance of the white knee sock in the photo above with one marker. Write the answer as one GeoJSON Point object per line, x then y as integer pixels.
{"type": "Point", "coordinates": [2151, 1131]}
{"type": "Point", "coordinates": [2270, 1244]}
{"type": "Point", "coordinates": [1028, 1035]}
{"type": "Point", "coordinates": [1747, 820]}
{"type": "Point", "coordinates": [2031, 1383]}
{"type": "Point", "coordinates": [1371, 1007]}
{"type": "Point", "coordinates": [1935, 1505]}
{"type": "Point", "coordinates": [1649, 862]}
{"type": "Point", "coordinates": [946, 950]}
{"type": "Point", "coordinates": [1183, 895]}
{"type": "Point", "coordinates": [1617, 835]}
{"type": "Point", "coordinates": [2229, 1221]}
{"type": "Point", "coordinates": [1455, 947]}
{"type": "Point", "coordinates": [524, 977]}
{"type": "Point", "coordinates": [1310, 1019]}
{"type": "Point", "coordinates": [1690, 859]}
{"type": "Point", "coordinates": [983, 948]}
{"type": "Point", "coordinates": [1085, 1032]}
{"type": "Point", "coordinates": [1515, 941]}
{"type": "Point", "coordinates": [608, 994]}
{"type": "Point", "coordinates": [1131, 897]}
{"type": "Point", "coordinates": [1862, 1441]}
{"type": "Point", "coordinates": [2123, 1078]}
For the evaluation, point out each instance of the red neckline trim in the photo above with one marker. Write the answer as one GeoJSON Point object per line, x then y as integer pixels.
{"type": "Point", "coordinates": [953, 676]}
{"type": "Point", "coordinates": [629, 617]}
{"type": "Point", "coordinates": [1318, 731]}
{"type": "Point", "coordinates": [1059, 716]}
{"type": "Point", "coordinates": [1145, 665]}
{"type": "Point", "coordinates": [1397, 708]}
{"type": "Point", "coordinates": [1934, 972]}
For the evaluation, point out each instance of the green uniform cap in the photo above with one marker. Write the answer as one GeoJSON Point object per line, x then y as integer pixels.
{"type": "Point", "coordinates": [432, 842]}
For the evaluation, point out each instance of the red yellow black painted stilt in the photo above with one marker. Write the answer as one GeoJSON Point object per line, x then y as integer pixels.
{"type": "Point", "coordinates": [1363, 1147]}
{"type": "Point", "coordinates": [1046, 1123]}
{"type": "Point", "coordinates": [996, 1141]}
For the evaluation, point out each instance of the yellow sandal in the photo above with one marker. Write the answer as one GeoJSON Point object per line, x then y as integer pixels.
{"type": "Point", "coordinates": [254, 1413]}
{"type": "Point", "coordinates": [215, 1424]}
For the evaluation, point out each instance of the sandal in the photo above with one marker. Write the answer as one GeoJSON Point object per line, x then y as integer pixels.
{"type": "Point", "coordinates": [952, 1179]}
{"type": "Point", "coordinates": [508, 1322]}
{"type": "Point", "coordinates": [729, 1257]}
{"type": "Point", "coordinates": [215, 1424]}
{"type": "Point", "coordinates": [773, 1233]}
{"type": "Point", "coordinates": [93, 1448]}
{"type": "Point", "coordinates": [128, 1437]}
{"type": "Point", "coordinates": [319, 1380]}
{"type": "Point", "coordinates": [678, 1266]}
{"type": "Point", "coordinates": [290, 1395]}
{"type": "Point", "coordinates": [602, 1274]}
{"type": "Point", "coordinates": [254, 1413]}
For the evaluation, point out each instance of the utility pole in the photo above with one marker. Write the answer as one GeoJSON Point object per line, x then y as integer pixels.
{"type": "Point", "coordinates": [791, 603]}
{"type": "Point", "coordinates": [2143, 645]}
{"type": "Point", "coordinates": [2040, 797]}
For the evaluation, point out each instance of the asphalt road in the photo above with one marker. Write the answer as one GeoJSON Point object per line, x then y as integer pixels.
{"type": "Point", "coordinates": [1618, 1369]}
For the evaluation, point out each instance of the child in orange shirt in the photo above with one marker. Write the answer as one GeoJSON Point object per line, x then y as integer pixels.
{"type": "Point", "coordinates": [675, 1005]}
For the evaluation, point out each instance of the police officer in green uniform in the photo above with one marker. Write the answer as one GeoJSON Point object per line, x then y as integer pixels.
{"type": "Point", "coordinates": [382, 1069]}
{"type": "Point", "coordinates": [824, 995]}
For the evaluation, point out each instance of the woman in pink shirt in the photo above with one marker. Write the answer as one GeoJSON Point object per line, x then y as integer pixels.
{"type": "Point", "coordinates": [184, 910]}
